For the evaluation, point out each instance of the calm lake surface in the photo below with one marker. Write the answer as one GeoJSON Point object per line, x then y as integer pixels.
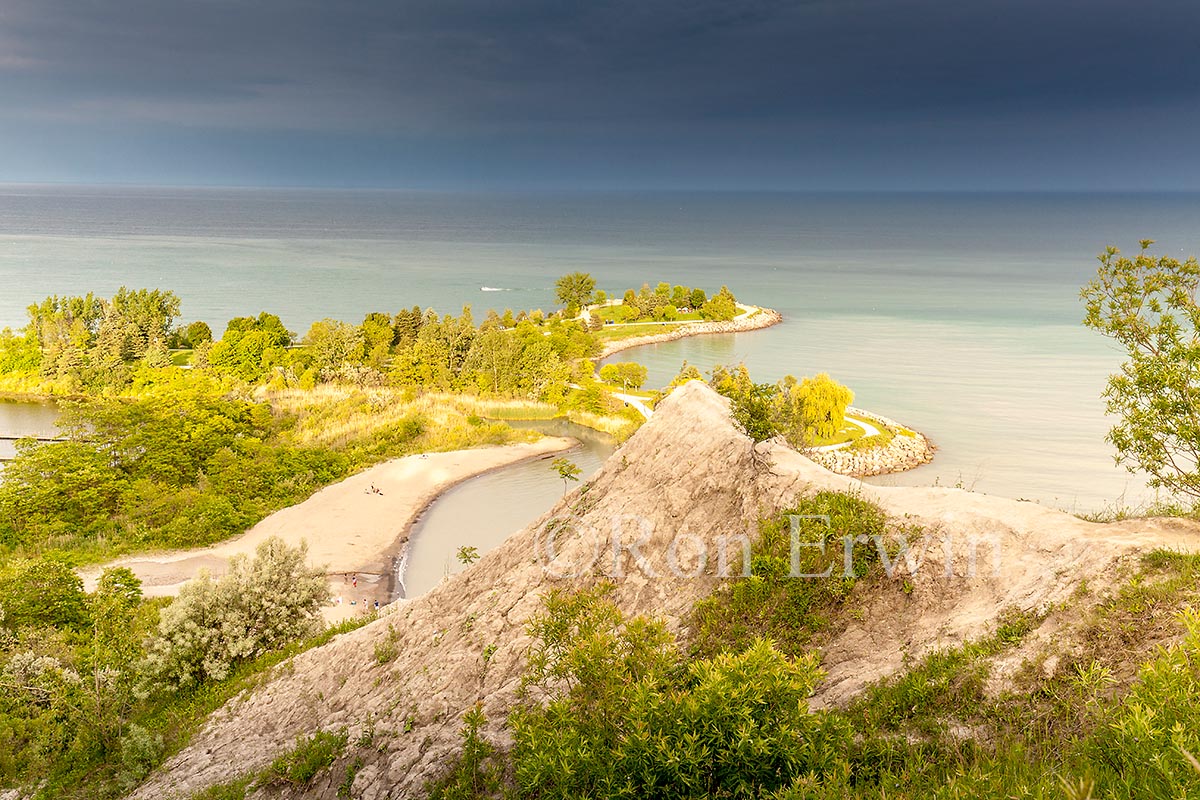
{"type": "Point", "coordinates": [484, 511]}
{"type": "Point", "coordinates": [20, 418]}
{"type": "Point", "coordinates": [957, 314]}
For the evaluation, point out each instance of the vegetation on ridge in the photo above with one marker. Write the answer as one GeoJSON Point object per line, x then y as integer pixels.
{"type": "Point", "coordinates": [615, 707]}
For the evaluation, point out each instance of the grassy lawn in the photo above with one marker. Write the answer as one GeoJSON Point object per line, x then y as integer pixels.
{"type": "Point", "coordinates": [181, 357]}
{"type": "Point", "coordinates": [623, 314]}
{"type": "Point", "coordinates": [850, 432]}
{"type": "Point", "coordinates": [613, 332]}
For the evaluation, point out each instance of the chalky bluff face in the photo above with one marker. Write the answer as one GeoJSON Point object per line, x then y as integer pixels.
{"type": "Point", "coordinates": [569, 547]}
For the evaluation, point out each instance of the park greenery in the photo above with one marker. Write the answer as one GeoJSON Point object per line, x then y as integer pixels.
{"type": "Point", "coordinates": [1148, 305]}
{"type": "Point", "coordinates": [666, 303]}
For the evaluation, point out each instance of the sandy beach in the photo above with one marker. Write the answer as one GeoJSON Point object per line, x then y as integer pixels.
{"type": "Point", "coordinates": [354, 532]}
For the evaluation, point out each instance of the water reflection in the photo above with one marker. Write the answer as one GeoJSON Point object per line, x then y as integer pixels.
{"type": "Point", "coordinates": [484, 511]}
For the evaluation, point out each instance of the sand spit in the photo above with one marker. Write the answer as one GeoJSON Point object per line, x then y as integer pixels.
{"type": "Point", "coordinates": [762, 318]}
{"type": "Point", "coordinates": [356, 533]}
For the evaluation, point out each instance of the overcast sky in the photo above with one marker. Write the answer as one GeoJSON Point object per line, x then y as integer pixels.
{"type": "Point", "coordinates": [806, 94]}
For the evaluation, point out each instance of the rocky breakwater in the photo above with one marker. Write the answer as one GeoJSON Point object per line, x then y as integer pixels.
{"type": "Point", "coordinates": [761, 318]}
{"type": "Point", "coordinates": [895, 449]}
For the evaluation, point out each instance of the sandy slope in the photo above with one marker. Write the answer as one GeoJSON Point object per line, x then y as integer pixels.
{"type": "Point", "coordinates": [686, 471]}
{"type": "Point", "coordinates": [349, 529]}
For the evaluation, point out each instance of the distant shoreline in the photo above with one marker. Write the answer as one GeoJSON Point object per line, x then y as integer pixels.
{"type": "Point", "coordinates": [759, 319]}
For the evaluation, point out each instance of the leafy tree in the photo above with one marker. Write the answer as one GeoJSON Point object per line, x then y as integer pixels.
{"type": "Point", "coordinates": [680, 296]}
{"type": "Point", "coordinates": [259, 605]}
{"type": "Point", "coordinates": [630, 374]}
{"type": "Point", "coordinates": [811, 408]}
{"type": "Point", "coordinates": [697, 299]}
{"type": "Point", "coordinates": [18, 353]}
{"type": "Point", "coordinates": [335, 345]}
{"type": "Point", "coordinates": [270, 324]}
{"type": "Point", "coordinates": [1148, 305]}
{"type": "Point", "coordinates": [43, 591]}
{"type": "Point", "coordinates": [197, 334]}
{"type": "Point", "coordinates": [751, 404]}
{"type": "Point", "coordinates": [722, 307]}
{"type": "Point", "coordinates": [574, 290]}
{"type": "Point", "coordinates": [492, 363]}
{"type": "Point", "coordinates": [567, 470]}
{"type": "Point", "coordinates": [250, 346]}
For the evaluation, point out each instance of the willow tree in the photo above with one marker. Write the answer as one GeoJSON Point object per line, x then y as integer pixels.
{"type": "Point", "coordinates": [811, 409]}
{"type": "Point", "coordinates": [1147, 304]}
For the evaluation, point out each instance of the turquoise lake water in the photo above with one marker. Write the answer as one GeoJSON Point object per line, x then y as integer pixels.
{"type": "Point", "coordinates": [956, 314]}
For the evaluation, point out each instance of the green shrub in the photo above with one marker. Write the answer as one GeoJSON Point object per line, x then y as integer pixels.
{"type": "Point", "coordinates": [259, 605]}
{"type": "Point", "coordinates": [790, 610]}
{"type": "Point", "coordinates": [628, 716]}
{"type": "Point", "coordinates": [310, 757]}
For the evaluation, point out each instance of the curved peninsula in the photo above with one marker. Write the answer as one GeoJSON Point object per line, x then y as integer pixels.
{"type": "Point", "coordinates": [752, 318]}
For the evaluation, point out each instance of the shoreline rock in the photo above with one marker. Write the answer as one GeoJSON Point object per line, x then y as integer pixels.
{"type": "Point", "coordinates": [908, 449]}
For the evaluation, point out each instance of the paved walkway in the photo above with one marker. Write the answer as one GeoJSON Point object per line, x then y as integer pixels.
{"type": "Point", "coordinates": [868, 430]}
{"type": "Point", "coordinates": [635, 402]}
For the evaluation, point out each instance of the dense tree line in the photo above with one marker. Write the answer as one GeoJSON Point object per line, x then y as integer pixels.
{"type": "Point", "coordinates": [666, 303]}
{"type": "Point", "coordinates": [89, 344]}
{"type": "Point", "coordinates": [178, 468]}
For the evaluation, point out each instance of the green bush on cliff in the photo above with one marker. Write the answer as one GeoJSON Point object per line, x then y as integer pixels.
{"type": "Point", "coordinates": [627, 715]}
{"type": "Point", "coordinates": [259, 605]}
{"type": "Point", "coordinates": [776, 604]}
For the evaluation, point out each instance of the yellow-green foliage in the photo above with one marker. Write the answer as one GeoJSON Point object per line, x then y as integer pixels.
{"type": "Point", "coordinates": [812, 408]}
{"type": "Point", "coordinates": [802, 411]}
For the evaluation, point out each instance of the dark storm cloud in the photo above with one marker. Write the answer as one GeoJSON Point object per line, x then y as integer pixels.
{"type": "Point", "coordinates": [418, 64]}
{"type": "Point", "coordinates": [695, 77]}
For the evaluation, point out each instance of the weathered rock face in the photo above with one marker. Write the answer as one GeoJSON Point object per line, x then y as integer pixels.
{"type": "Point", "coordinates": [687, 482]}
